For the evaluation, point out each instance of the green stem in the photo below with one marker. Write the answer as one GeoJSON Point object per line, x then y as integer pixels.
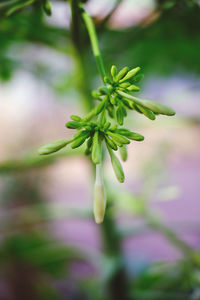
{"type": "Point", "coordinates": [94, 42]}
{"type": "Point", "coordinates": [81, 76]}
{"type": "Point", "coordinates": [117, 286]}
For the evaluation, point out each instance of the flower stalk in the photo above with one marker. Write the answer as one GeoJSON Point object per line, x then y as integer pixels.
{"type": "Point", "coordinates": [99, 204]}
{"type": "Point", "coordinates": [101, 127]}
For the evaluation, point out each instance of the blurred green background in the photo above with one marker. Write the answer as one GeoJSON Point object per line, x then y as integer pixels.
{"type": "Point", "coordinates": [148, 246]}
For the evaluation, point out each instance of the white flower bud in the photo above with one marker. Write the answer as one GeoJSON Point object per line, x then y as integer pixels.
{"type": "Point", "coordinates": [99, 197]}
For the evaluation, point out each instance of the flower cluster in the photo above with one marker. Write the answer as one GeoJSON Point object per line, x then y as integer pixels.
{"type": "Point", "coordinates": [96, 130]}
{"type": "Point", "coordinates": [94, 134]}
{"type": "Point", "coordinates": [116, 97]}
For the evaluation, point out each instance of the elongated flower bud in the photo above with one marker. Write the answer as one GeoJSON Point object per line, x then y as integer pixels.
{"type": "Point", "coordinates": [147, 112]}
{"type": "Point", "coordinates": [110, 143]}
{"type": "Point", "coordinates": [122, 73]}
{"type": "Point", "coordinates": [133, 88]}
{"type": "Point", "coordinates": [99, 107]}
{"type": "Point", "coordinates": [96, 149]}
{"type": "Point", "coordinates": [114, 72]}
{"type": "Point", "coordinates": [130, 74]}
{"type": "Point", "coordinates": [159, 108]}
{"type": "Point", "coordinates": [129, 134]}
{"type": "Point", "coordinates": [47, 7]}
{"type": "Point", "coordinates": [99, 204]}
{"type": "Point", "coordinates": [75, 118]}
{"type": "Point", "coordinates": [79, 141]}
{"type": "Point", "coordinates": [123, 152]}
{"type": "Point", "coordinates": [53, 147]}
{"type": "Point", "coordinates": [120, 116]}
{"type": "Point", "coordinates": [118, 138]}
{"type": "Point", "coordinates": [117, 167]}
{"type": "Point", "coordinates": [73, 125]}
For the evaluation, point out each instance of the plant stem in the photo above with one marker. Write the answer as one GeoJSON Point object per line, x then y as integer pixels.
{"type": "Point", "coordinates": [94, 42]}
{"type": "Point", "coordinates": [81, 76]}
{"type": "Point", "coordinates": [117, 285]}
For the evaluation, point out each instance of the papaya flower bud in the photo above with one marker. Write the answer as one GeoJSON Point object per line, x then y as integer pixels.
{"type": "Point", "coordinates": [99, 204]}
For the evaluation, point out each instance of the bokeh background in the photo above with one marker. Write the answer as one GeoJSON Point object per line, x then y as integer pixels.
{"type": "Point", "coordinates": [148, 246]}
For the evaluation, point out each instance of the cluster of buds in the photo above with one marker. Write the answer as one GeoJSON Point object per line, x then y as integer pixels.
{"type": "Point", "coordinates": [96, 131]}
{"type": "Point", "coordinates": [116, 98]}
{"type": "Point", "coordinates": [94, 134]}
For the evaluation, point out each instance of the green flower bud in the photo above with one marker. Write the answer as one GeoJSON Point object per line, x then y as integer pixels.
{"type": "Point", "coordinates": [158, 108]}
{"type": "Point", "coordinates": [138, 78]}
{"type": "Point", "coordinates": [53, 147]}
{"type": "Point", "coordinates": [117, 167]}
{"type": "Point", "coordinates": [73, 125]}
{"type": "Point", "coordinates": [113, 127]}
{"type": "Point", "coordinates": [129, 104]}
{"type": "Point", "coordinates": [147, 112]}
{"type": "Point", "coordinates": [125, 84]}
{"type": "Point", "coordinates": [81, 133]}
{"type": "Point", "coordinates": [118, 138]}
{"type": "Point", "coordinates": [89, 146]}
{"type": "Point", "coordinates": [106, 125]}
{"type": "Point", "coordinates": [111, 111]}
{"type": "Point", "coordinates": [47, 7]}
{"type": "Point", "coordinates": [130, 74]}
{"type": "Point", "coordinates": [123, 109]}
{"type": "Point", "coordinates": [122, 73]}
{"type": "Point", "coordinates": [120, 116]}
{"type": "Point", "coordinates": [99, 205]}
{"type": "Point", "coordinates": [133, 88]}
{"type": "Point", "coordinates": [99, 107]}
{"type": "Point", "coordinates": [106, 80]}
{"type": "Point", "coordinates": [155, 107]}
{"type": "Point", "coordinates": [110, 143]}
{"type": "Point", "coordinates": [129, 134]}
{"type": "Point", "coordinates": [102, 118]}
{"type": "Point", "coordinates": [112, 100]}
{"type": "Point", "coordinates": [96, 95]}
{"type": "Point", "coordinates": [96, 149]}
{"type": "Point", "coordinates": [103, 90]}
{"type": "Point", "coordinates": [75, 118]}
{"type": "Point", "coordinates": [123, 152]}
{"type": "Point", "coordinates": [80, 140]}
{"type": "Point", "coordinates": [114, 72]}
